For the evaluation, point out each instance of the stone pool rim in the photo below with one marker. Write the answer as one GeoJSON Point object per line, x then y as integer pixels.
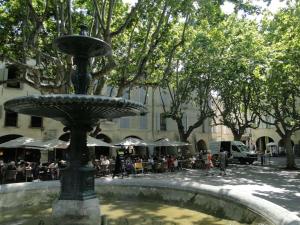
{"type": "Point", "coordinates": [271, 212]}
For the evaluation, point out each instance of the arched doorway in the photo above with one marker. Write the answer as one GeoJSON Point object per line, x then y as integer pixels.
{"type": "Point", "coordinates": [262, 142]}
{"type": "Point", "coordinates": [201, 145]}
{"type": "Point", "coordinates": [32, 155]}
{"type": "Point", "coordinates": [133, 136]}
{"type": "Point", "coordinates": [65, 137]}
{"type": "Point", "coordinates": [104, 151]}
{"type": "Point", "coordinates": [10, 154]}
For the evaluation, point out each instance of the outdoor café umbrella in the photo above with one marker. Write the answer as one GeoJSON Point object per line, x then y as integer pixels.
{"type": "Point", "coordinates": [97, 142]}
{"type": "Point", "coordinates": [55, 143]}
{"type": "Point", "coordinates": [50, 144]}
{"type": "Point", "coordinates": [26, 142]}
{"type": "Point", "coordinates": [165, 142]}
{"type": "Point", "coordinates": [130, 141]}
{"type": "Point", "coordinates": [20, 142]}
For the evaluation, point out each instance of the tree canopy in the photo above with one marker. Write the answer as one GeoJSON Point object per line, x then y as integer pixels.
{"type": "Point", "coordinates": [223, 65]}
{"type": "Point", "coordinates": [281, 83]}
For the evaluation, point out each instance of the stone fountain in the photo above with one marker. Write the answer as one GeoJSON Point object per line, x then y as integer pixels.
{"type": "Point", "coordinates": [79, 112]}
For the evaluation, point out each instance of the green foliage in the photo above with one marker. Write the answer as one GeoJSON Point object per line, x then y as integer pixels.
{"type": "Point", "coordinates": [282, 82]}
{"type": "Point", "coordinates": [233, 54]}
{"type": "Point", "coordinates": [190, 48]}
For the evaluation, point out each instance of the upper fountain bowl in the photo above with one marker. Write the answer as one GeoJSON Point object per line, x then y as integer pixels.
{"type": "Point", "coordinates": [82, 46]}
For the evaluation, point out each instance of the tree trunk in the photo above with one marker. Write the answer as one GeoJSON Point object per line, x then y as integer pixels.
{"type": "Point", "coordinates": [237, 136]}
{"type": "Point", "coordinates": [180, 127]}
{"type": "Point", "coordinates": [290, 156]}
{"type": "Point", "coordinates": [182, 136]}
{"type": "Point", "coordinates": [120, 91]}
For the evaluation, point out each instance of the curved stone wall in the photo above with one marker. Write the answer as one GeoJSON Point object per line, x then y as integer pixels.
{"type": "Point", "coordinates": [210, 199]}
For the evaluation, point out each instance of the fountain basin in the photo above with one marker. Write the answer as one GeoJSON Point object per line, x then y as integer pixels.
{"type": "Point", "coordinates": [210, 199]}
{"type": "Point", "coordinates": [74, 109]}
{"type": "Point", "coordinates": [82, 46]}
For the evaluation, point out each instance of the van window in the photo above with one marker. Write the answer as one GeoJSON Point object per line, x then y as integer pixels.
{"type": "Point", "coordinates": [235, 148]}
{"type": "Point", "coordinates": [243, 148]}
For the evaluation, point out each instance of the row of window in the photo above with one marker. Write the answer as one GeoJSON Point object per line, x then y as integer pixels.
{"type": "Point", "coordinates": [11, 120]}
{"type": "Point", "coordinates": [12, 75]}
{"type": "Point", "coordinates": [161, 125]}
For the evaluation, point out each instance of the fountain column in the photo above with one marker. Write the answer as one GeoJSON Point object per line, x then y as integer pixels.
{"type": "Point", "coordinates": [77, 203]}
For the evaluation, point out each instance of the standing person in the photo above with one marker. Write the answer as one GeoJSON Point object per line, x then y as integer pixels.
{"type": "Point", "coordinates": [223, 159]}
{"type": "Point", "coordinates": [262, 157]}
{"type": "Point", "coordinates": [170, 163]}
{"type": "Point", "coordinates": [253, 147]}
{"type": "Point", "coordinates": [118, 166]}
{"type": "Point", "coordinates": [208, 162]}
{"type": "Point", "coordinates": [2, 171]}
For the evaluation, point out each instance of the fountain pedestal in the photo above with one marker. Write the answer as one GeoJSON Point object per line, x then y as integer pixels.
{"type": "Point", "coordinates": [76, 212]}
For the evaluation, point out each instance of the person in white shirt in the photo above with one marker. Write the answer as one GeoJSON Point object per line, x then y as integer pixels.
{"type": "Point", "coordinates": [223, 159]}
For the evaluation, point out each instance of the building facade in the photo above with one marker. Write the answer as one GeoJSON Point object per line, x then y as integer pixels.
{"type": "Point", "coordinates": [150, 127]}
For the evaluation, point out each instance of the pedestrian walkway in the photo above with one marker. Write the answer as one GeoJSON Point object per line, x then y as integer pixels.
{"type": "Point", "coordinates": [269, 182]}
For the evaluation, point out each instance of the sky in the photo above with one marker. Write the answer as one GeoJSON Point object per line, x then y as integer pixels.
{"type": "Point", "coordinates": [273, 7]}
{"type": "Point", "coordinates": [228, 7]}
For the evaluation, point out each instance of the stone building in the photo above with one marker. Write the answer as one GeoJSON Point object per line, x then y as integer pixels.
{"type": "Point", "coordinates": [150, 127]}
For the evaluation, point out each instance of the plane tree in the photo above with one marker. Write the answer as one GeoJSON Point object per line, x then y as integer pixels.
{"type": "Point", "coordinates": [239, 61]}
{"type": "Point", "coordinates": [187, 79]}
{"type": "Point", "coordinates": [138, 35]}
{"type": "Point", "coordinates": [29, 29]}
{"type": "Point", "coordinates": [193, 65]}
{"type": "Point", "coordinates": [281, 84]}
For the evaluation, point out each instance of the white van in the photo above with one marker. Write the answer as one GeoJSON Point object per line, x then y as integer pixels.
{"type": "Point", "coordinates": [236, 150]}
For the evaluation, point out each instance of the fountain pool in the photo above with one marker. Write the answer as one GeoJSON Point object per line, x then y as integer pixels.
{"type": "Point", "coordinates": [122, 212]}
{"type": "Point", "coordinates": [137, 201]}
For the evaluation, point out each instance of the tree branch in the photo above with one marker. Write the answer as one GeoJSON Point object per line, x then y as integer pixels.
{"type": "Point", "coordinates": [128, 19]}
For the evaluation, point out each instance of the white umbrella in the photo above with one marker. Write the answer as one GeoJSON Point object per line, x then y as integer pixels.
{"type": "Point", "coordinates": [54, 143]}
{"type": "Point", "coordinates": [90, 142]}
{"type": "Point", "coordinates": [166, 143]}
{"type": "Point", "coordinates": [25, 142]}
{"type": "Point", "coordinates": [130, 141]}
{"type": "Point", "coordinates": [20, 142]}
{"type": "Point", "coordinates": [97, 142]}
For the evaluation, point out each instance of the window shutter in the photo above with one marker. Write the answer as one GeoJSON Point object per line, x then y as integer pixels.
{"type": "Point", "coordinates": [157, 121]}
{"type": "Point", "coordinates": [143, 122]}
{"type": "Point", "coordinates": [168, 124]}
{"type": "Point", "coordinates": [203, 126]}
{"type": "Point", "coordinates": [142, 95]}
{"type": "Point", "coordinates": [125, 122]}
{"type": "Point", "coordinates": [3, 74]}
